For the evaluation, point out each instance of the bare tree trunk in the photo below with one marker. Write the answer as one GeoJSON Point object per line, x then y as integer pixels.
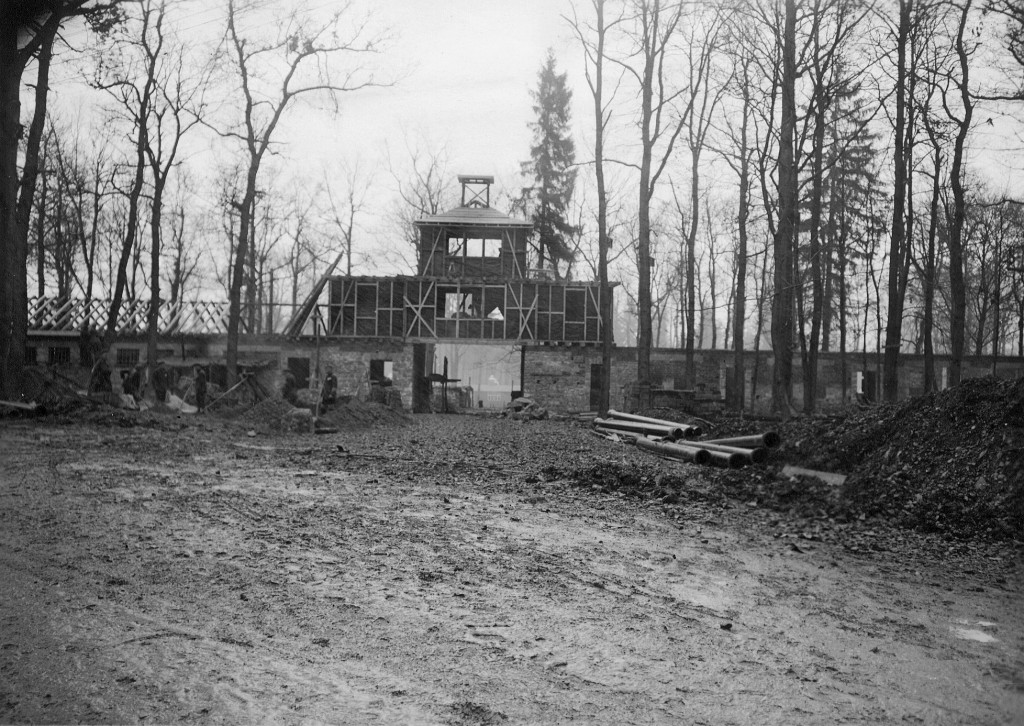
{"type": "Point", "coordinates": [897, 241]}
{"type": "Point", "coordinates": [691, 254]}
{"type": "Point", "coordinates": [742, 216]}
{"type": "Point", "coordinates": [13, 220]}
{"type": "Point", "coordinates": [810, 357]}
{"type": "Point", "coordinates": [842, 262]}
{"type": "Point", "coordinates": [41, 229]}
{"type": "Point", "coordinates": [238, 270]}
{"type": "Point", "coordinates": [153, 317]}
{"type": "Point", "coordinates": [759, 331]}
{"type": "Point", "coordinates": [957, 285]}
{"type": "Point", "coordinates": [785, 237]}
{"type": "Point", "coordinates": [134, 193]}
{"type": "Point", "coordinates": [600, 123]}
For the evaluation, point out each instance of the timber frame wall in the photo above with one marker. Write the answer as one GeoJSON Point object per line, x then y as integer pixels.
{"type": "Point", "coordinates": [430, 309]}
{"type": "Point", "coordinates": [472, 285]}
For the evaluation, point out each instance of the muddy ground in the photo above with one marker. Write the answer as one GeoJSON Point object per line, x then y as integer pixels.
{"type": "Point", "coordinates": [438, 572]}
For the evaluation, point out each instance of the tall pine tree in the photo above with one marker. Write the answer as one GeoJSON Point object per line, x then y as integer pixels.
{"type": "Point", "coordinates": [551, 165]}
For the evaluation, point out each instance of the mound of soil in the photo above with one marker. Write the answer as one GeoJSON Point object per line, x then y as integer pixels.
{"type": "Point", "coordinates": [950, 462]}
{"type": "Point", "coordinates": [357, 414]}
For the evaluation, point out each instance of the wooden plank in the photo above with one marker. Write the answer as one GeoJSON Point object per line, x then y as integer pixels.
{"type": "Point", "coordinates": [298, 321]}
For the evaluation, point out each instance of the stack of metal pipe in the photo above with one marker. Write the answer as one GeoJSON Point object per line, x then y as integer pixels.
{"type": "Point", "coordinates": [678, 440]}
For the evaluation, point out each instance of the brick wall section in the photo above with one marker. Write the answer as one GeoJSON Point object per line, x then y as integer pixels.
{"type": "Point", "coordinates": [558, 377]}
{"type": "Point", "coordinates": [351, 364]}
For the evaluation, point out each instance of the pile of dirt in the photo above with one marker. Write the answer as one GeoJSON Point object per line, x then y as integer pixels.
{"type": "Point", "coordinates": [270, 414]}
{"type": "Point", "coordinates": [54, 393]}
{"type": "Point", "coordinates": [358, 414]}
{"type": "Point", "coordinates": [949, 462]}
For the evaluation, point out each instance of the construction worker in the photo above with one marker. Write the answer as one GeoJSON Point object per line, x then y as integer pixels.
{"type": "Point", "coordinates": [288, 389]}
{"type": "Point", "coordinates": [200, 384]}
{"type": "Point", "coordinates": [132, 384]}
{"type": "Point", "coordinates": [99, 382]}
{"type": "Point", "coordinates": [330, 390]}
{"type": "Point", "coordinates": [161, 382]}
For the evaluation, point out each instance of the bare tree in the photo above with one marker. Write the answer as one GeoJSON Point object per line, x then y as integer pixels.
{"type": "Point", "coordinates": [131, 79]}
{"type": "Point", "coordinates": [899, 241]}
{"type": "Point", "coordinates": [961, 119]}
{"type": "Point", "coordinates": [593, 38]}
{"type": "Point", "coordinates": [704, 94]}
{"type": "Point", "coordinates": [740, 161]}
{"type": "Point", "coordinates": [424, 188]}
{"type": "Point", "coordinates": [346, 204]}
{"type": "Point", "coordinates": [176, 107]}
{"type": "Point", "coordinates": [786, 233]}
{"type": "Point", "coordinates": [28, 31]}
{"type": "Point", "coordinates": [652, 26]}
{"type": "Point", "coordinates": [184, 254]}
{"type": "Point", "coordinates": [299, 61]}
{"type": "Point", "coordinates": [832, 26]}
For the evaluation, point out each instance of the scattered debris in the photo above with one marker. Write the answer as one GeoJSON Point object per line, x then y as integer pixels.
{"type": "Point", "coordinates": [32, 407]}
{"type": "Point", "coordinates": [525, 409]}
{"type": "Point", "coordinates": [825, 476]}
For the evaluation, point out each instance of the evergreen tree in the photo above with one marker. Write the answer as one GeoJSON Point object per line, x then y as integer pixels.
{"type": "Point", "coordinates": [551, 165]}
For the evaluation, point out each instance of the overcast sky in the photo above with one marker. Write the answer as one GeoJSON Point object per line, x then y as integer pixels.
{"type": "Point", "coordinates": [467, 69]}
{"type": "Point", "coordinates": [464, 70]}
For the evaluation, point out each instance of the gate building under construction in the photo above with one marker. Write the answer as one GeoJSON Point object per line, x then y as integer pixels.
{"type": "Point", "coordinates": [473, 285]}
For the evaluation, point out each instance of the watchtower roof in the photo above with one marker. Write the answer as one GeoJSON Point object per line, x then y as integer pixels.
{"type": "Point", "coordinates": [472, 217]}
{"type": "Point", "coordinates": [475, 209]}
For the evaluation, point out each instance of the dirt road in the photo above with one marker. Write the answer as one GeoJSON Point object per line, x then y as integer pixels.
{"type": "Point", "coordinates": [192, 573]}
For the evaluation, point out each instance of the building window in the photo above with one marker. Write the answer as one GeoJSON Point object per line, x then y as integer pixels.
{"type": "Point", "coordinates": [60, 355]}
{"type": "Point", "coordinates": [473, 247]}
{"type": "Point", "coordinates": [127, 357]}
{"type": "Point", "coordinates": [381, 371]}
{"type": "Point", "coordinates": [457, 304]}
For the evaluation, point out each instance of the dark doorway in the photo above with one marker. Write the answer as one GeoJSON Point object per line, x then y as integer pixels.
{"type": "Point", "coordinates": [422, 363]}
{"type": "Point", "coordinates": [596, 369]}
{"type": "Point", "coordinates": [300, 369]}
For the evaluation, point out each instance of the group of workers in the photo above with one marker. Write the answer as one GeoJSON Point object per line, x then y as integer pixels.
{"type": "Point", "coordinates": [134, 385]}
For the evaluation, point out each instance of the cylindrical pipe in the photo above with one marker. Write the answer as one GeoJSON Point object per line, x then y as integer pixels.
{"type": "Point", "coordinates": [753, 456]}
{"type": "Point", "coordinates": [668, 431]}
{"type": "Point", "coordinates": [689, 431]}
{"type": "Point", "coordinates": [726, 460]}
{"type": "Point", "coordinates": [630, 436]}
{"type": "Point", "coordinates": [676, 451]}
{"type": "Point", "coordinates": [769, 439]}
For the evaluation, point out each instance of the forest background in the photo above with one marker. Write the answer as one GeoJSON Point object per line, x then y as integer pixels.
{"type": "Point", "coordinates": [806, 176]}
